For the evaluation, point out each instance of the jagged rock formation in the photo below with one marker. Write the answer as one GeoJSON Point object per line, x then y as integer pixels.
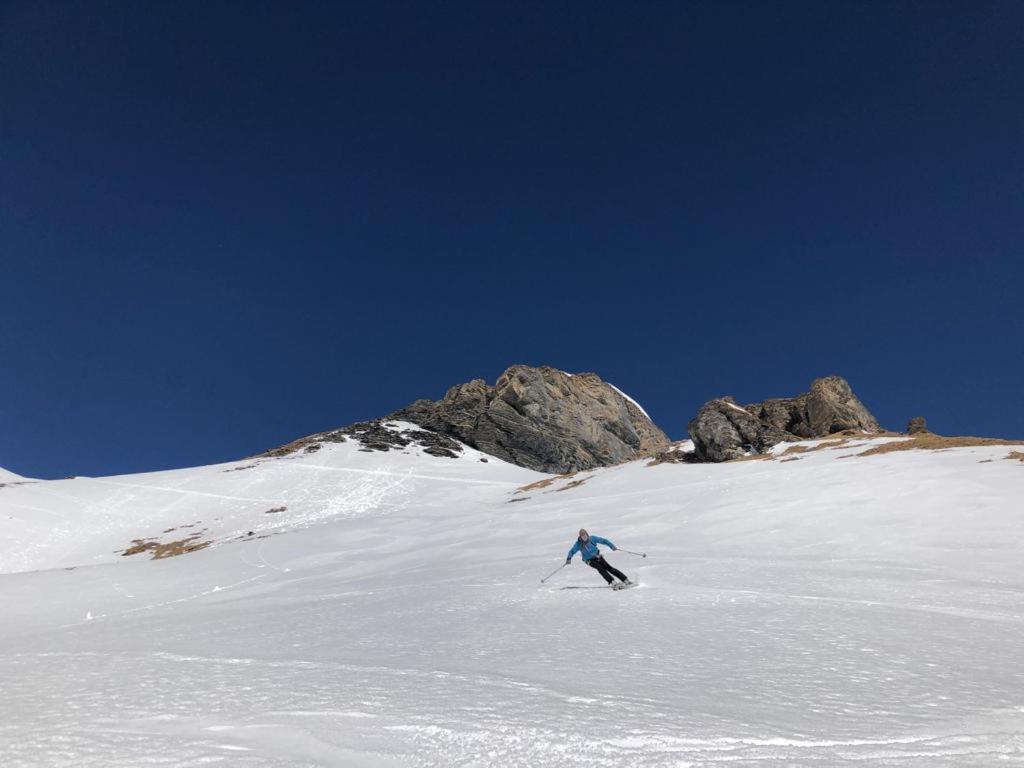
{"type": "Point", "coordinates": [917, 426]}
{"type": "Point", "coordinates": [722, 430]}
{"type": "Point", "coordinates": [543, 419]}
{"type": "Point", "coordinates": [829, 407]}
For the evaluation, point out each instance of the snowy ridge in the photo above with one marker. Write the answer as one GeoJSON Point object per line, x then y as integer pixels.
{"type": "Point", "coordinates": [815, 609]}
{"type": "Point", "coordinates": [6, 476]}
{"type": "Point", "coordinates": [736, 407]}
{"type": "Point", "coordinates": [630, 399]}
{"type": "Point", "coordinates": [87, 521]}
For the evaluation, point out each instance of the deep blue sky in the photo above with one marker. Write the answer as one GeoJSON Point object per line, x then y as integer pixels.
{"type": "Point", "coordinates": [225, 225]}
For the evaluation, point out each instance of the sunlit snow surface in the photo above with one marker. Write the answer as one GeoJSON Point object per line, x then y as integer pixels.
{"type": "Point", "coordinates": [829, 611]}
{"type": "Point", "coordinates": [6, 476]}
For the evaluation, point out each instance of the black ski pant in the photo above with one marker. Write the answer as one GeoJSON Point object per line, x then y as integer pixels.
{"type": "Point", "coordinates": [601, 565]}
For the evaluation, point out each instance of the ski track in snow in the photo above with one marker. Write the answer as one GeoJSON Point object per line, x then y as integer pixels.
{"type": "Point", "coordinates": [871, 617]}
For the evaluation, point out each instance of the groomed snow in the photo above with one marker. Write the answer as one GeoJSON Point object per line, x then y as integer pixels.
{"type": "Point", "coordinates": [830, 610]}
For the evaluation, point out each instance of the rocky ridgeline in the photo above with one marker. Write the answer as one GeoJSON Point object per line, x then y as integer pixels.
{"type": "Point", "coordinates": [552, 421]}
{"type": "Point", "coordinates": [375, 435]}
{"type": "Point", "coordinates": [540, 418]}
{"type": "Point", "coordinates": [723, 430]}
{"type": "Point", "coordinates": [543, 419]}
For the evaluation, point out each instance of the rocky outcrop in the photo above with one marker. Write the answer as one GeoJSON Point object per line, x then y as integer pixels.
{"type": "Point", "coordinates": [832, 407]}
{"type": "Point", "coordinates": [375, 435]}
{"type": "Point", "coordinates": [722, 430]}
{"type": "Point", "coordinates": [543, 419]}
{"type": "Point", "coordinates": [788, 414]}
{"type": "Point", "coordinates": [829, 407]}
{"type": "Point", "coordinates": [917, 426]}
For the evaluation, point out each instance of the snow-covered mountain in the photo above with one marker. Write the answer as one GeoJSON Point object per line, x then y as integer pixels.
{"type": "Point", "coordinates": [343, 606]}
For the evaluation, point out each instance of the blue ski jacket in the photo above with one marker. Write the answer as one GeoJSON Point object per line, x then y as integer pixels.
{"type": "Point", "coordinates": [588, 550]}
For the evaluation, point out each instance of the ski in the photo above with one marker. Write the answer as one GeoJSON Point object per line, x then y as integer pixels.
{"type": "Point", "coordinates": [615, 587]}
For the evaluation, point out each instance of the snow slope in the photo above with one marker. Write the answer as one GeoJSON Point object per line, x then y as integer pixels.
{"type": "Point", "coordinates": [6, 476]}
{"type": "Point", "coordinates": [831, 610]}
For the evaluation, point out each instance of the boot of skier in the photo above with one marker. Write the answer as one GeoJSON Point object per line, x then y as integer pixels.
{"type": "Point", "coordinates": [586, 545]}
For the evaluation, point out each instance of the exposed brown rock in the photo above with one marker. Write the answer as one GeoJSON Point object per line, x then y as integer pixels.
{"type": "Point", "coordinates": [917, 426]}
{"type": "Point", "coordinates": [542, 418]}
{"type": "Point", "coordinates": [722, 430]}
{"type": "Point", "coordinates": [830, 406]}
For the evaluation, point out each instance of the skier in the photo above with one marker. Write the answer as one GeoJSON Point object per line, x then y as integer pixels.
{"type": "Point", "coordinates": [586, 545]}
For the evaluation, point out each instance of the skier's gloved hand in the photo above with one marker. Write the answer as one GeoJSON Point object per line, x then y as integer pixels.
{"type": "Point", "coordinates": [614, 548]}
{"type": "Point", "coordinates": [568, 560]}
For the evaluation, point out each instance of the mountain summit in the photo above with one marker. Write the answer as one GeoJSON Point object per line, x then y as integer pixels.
{"type": "Point", "coordinates": [543, 419]}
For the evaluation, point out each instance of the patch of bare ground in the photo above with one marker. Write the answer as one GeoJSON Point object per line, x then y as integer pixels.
{"type": "Point", "coordinates": [753, 457]}
{"type": "Point", "coordinates": [573, 484]}
{"type": "Point", "coordinates": [1018, 455]}
{"type": "Point", "coordinates": [797, 449]}
{"type": "Point", "coordinates": [839, 440]}
{"type": "Point", "coordinates": [303, 442]}
{"type": "Point", "coordinates": [929, 442]}
{"type": "Point", "coordinates": [674, 455]}
{"type": "Point", "coordinates": [275, 510]}
{"type": "Point", "coordinates": [543, 483]}
{"type": "Point", "coordinates": [161, 550]}
{"type": "Point", "coordinates": [792, 458]}
{"type": "Point", "coordinates": [811, 448]}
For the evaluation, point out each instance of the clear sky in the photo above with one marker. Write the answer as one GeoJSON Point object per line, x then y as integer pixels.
{"type": "Point", "coordinates": [226, 225]}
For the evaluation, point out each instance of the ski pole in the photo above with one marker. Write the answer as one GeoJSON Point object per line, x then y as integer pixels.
{"type": "Point", "coordinates": [638, 554]}
{"type": "Point", "coordinates": [553, 572]}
